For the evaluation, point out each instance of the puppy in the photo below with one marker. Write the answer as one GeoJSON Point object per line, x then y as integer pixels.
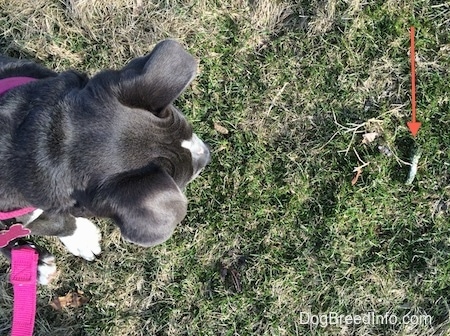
{"type": "Point", "coordinates": [109, 146]}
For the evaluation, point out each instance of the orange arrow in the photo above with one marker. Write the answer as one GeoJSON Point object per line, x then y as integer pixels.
{"type": "Point", "coordinates": [413, 125]}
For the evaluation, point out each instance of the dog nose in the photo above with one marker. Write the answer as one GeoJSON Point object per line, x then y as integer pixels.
{"type": "Point", "coordinates": [205, 156]}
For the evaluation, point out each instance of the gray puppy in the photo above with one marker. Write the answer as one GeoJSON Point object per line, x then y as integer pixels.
{"type": "Point", "coordinates": [108, 146]}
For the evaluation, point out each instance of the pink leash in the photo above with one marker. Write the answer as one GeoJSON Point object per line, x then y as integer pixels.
{"type": "Point", "coordinates": [24, 259]}
{"type": "Point", "coordinates": [23, 278]}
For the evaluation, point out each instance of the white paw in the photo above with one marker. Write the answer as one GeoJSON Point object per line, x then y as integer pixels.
{"type": "Point", "coordinates": [85, 241]}
{"type": "Point", "coordinates": [46, 270]}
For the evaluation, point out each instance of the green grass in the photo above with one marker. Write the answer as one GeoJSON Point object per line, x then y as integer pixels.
{"type": "Point", "coordinates": [276, 206]}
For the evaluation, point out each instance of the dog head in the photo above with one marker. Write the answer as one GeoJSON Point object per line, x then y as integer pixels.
{"type": "Point", "coordinates": [149, 151]}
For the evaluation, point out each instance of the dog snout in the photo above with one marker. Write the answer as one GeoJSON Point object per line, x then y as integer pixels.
{"type": "Point", "coordinates": [200, 151]}
{"type": "Point", "coordinates": [204, 154]}
{"type": "Point", "coordinates": [207, 153]}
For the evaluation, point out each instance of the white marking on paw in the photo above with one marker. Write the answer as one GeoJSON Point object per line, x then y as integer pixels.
{"type": "Point", "coordinates": [46, 270]}
{"type": "Point", "coordinates": [85, 241]}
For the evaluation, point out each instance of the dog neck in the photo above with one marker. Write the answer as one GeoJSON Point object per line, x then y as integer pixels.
{"type": "Point", "coordinates": [7, 84]}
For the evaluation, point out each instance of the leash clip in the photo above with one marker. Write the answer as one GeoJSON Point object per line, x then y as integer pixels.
{"type": "Point", "coordinates": [24, 243]}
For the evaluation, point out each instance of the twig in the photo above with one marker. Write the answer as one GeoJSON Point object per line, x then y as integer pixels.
{"type": "Point", "coordinates": [358, 170]}
{"type": "Point", "coordinates": [272, 104]}
{"type": "Point", "coordinates": [360, 160]}
{"type": "Point", "coordinates": [331, 139]}
{"type": "Point", "coordinates": [354, 129]}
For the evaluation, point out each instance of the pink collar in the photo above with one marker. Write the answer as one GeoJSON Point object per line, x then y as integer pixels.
{"type": "Point", "coordinates": [7, 84]}
{"type": "Point", "coordinates": [15, 213]}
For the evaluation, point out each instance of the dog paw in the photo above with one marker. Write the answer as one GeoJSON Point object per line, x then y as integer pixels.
{"type": "Point", "coordinates": [85, 241]}
{"type": "Point", "coordinates": [46, 270]}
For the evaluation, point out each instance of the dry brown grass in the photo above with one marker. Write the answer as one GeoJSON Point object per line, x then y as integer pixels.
{"type": "Point", "coordinates": [126, 28]}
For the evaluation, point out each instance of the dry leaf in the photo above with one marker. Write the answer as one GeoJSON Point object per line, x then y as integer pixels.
{"type": "Point", "coordinates": [219, 128]}
{"type": "Point", "coordinates": [358, 171]}
{"type": "Point", "coordinates": [71, 299]}
{"type": "Point", "coordinates": [369, 137]}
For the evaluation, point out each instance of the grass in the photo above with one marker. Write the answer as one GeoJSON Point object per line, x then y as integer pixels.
{"type": "Point", "coordinates": [275, 227]}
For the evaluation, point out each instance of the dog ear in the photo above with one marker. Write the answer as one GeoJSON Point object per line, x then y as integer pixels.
{"type": "Point", "coordinates": [146, 205]}
{"type": "Point", "coordinates": [153, 82]}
